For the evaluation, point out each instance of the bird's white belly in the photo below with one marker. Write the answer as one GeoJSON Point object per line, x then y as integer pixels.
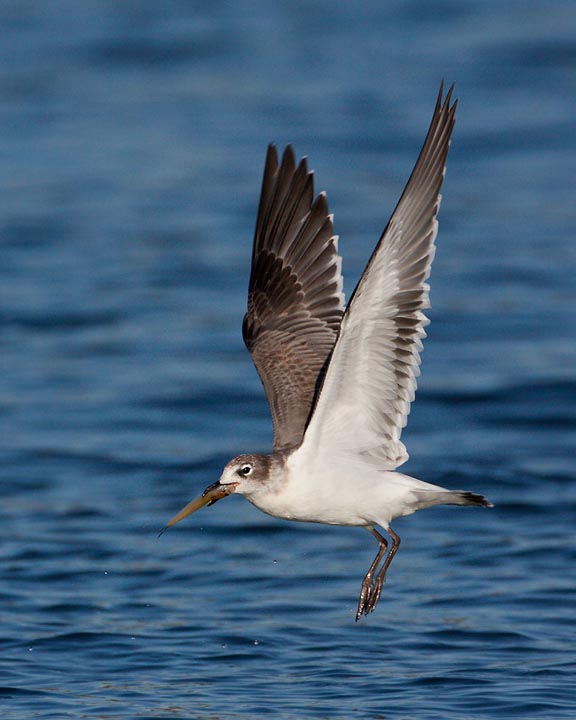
{"type": "Point", "coordinates": [313, 505]}
{"type": "Point", "coordinates": [334, 495]}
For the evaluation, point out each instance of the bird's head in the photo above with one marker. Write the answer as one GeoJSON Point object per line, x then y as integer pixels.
{"type": "Point", "coordinates": [243, 475]}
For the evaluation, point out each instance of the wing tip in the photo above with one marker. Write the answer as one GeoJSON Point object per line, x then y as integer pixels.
{"type": "Point", "coordinates": [271, 154]}
{"type": "Point", "coordinates": [445, 101]}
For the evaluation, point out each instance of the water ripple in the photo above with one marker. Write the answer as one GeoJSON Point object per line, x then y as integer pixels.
{"type": "Point", "coordinates": [132, 144]}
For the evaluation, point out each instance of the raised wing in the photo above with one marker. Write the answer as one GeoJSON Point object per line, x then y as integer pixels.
{"type": "Point", "coordinates": [295, 298]}
{"type": "Point", "coordinates": [371, 380]}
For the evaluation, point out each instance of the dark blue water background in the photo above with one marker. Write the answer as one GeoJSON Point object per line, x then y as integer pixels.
{"type": "Point", "coordinates": [131, 147]}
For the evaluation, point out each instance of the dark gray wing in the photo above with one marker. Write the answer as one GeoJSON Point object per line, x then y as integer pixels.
{"type": "Point", "coordinates": [295, 298]}
{"type": "Point", "coordinates": [371, 379]}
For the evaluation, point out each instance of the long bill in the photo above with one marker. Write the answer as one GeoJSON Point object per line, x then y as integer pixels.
{"type": "Point", "coordinates": [212, 494]}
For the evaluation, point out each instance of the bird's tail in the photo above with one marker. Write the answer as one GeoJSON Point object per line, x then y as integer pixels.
{"type": "Point", "coordinates": [428, 498]}
{"type": "Point", "coordinates": [462, 497]}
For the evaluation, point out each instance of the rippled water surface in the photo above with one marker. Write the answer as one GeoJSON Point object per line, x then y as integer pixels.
{"type": "Point", "coordinates": [133, 138]}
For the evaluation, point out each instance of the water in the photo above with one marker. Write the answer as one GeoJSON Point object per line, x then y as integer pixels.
{"type": "Point", "coordinates": [133, 138]}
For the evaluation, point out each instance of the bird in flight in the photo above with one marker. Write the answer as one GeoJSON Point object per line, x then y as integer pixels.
{"type": "Point", "coordinates": [340, 380]}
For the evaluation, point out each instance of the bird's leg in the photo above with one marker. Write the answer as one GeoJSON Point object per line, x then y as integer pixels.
{"type": "Point", "coordinates": [381, 577]}
{"type": "Point", "coordinates": [366, 590]}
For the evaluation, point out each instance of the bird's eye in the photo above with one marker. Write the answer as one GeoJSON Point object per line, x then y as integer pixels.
{"type": "Point", "coordinates": [246, 469]}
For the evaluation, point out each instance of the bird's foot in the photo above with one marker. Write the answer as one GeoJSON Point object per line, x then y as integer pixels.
{"type": "Point", "coordinates": [369, 596]}
{"type": "Point", "coordinates": [364, 601]}
{"type": "Point", "coordinates": [374, 595]}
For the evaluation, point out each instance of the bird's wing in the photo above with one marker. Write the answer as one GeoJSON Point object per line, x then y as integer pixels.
{"type": "Point", "coordinates": [371, 380]}
{"type": "Point", "coordinates": [295, 298]}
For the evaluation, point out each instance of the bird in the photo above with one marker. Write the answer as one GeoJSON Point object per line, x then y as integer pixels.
{"type": "Point", "coordinates": [340, 379]}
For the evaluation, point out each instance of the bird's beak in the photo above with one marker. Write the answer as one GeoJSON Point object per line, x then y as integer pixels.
{"type": "Point", "coordinates": [212, 494]}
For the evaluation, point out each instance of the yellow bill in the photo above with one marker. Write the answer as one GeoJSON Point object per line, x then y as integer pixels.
{"type": "Point", "coordinates": [212, 494]}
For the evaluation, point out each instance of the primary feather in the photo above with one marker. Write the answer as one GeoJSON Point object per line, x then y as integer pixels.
{"type": "Point", "coordinates": [295, 299]}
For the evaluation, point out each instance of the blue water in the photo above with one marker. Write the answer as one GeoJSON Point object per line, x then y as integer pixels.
{"type": "Point", "coordinates": [131, 148]}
